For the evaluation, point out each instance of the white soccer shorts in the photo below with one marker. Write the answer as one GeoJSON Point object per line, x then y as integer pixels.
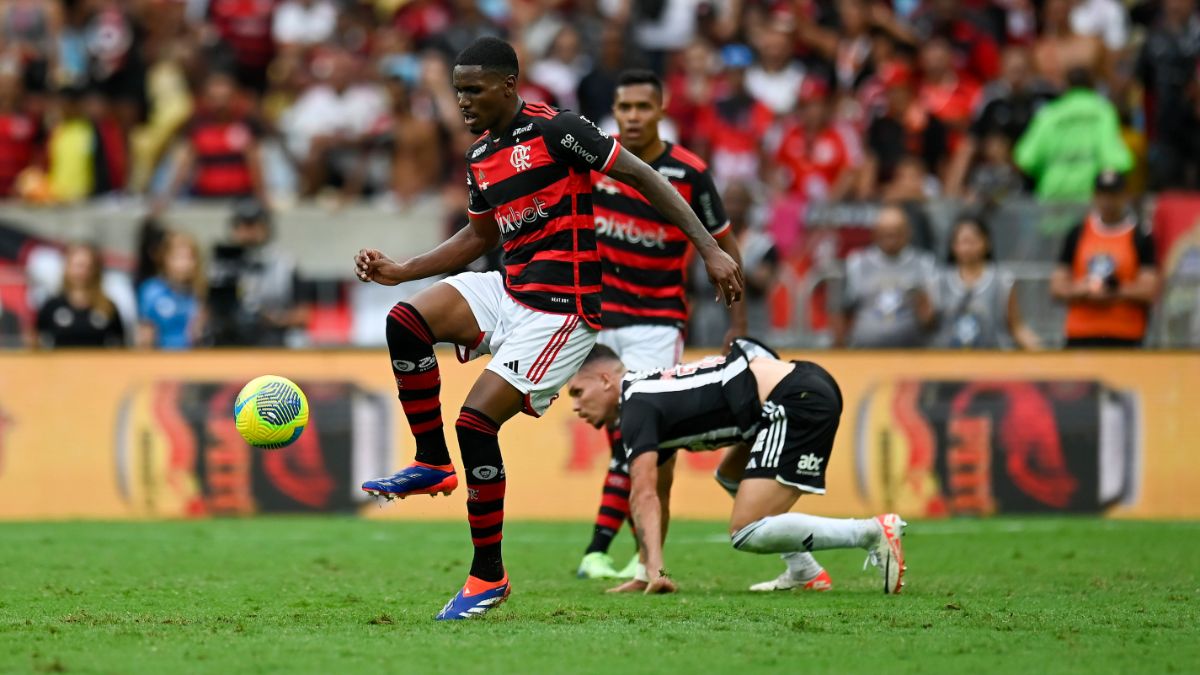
{"type": "Point", "coordinates": [648, 347]}
{"type": "Point", "coordinates": [536, 352]}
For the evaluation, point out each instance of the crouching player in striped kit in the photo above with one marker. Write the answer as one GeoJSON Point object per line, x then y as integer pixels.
{"type": "Point", "coordinates": [786, 411]}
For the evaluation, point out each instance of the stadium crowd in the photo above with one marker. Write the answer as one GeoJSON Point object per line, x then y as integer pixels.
{"type": "Point", "coordinates": [793, 105]}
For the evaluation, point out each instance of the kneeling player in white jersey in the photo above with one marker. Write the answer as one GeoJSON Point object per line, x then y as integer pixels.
{"type": "Point", "coordinates": [787, 411]}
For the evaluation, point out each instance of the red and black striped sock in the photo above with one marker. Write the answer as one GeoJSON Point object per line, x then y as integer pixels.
{"type": "Point", "coordinates": [484, 469]}
{"type": "Point", "coordinates": [418, 381]}
{"type": "Point", "coordinates": [614, 500]}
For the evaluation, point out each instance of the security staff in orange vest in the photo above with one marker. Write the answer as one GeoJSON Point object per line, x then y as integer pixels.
{"type": "Point", "coordinates": [1106, 272]}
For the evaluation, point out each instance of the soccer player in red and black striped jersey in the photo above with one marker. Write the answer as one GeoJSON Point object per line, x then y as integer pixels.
{"type": "Point", "coordinates": [644, 258]}
{"type": "Point", "coordinates": [529, 186]}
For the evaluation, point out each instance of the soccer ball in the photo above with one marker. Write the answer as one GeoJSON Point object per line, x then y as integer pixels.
{"type": "Point", "coordinates": [270, 412]}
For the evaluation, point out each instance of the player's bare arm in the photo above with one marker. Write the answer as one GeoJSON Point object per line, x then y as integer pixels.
{"type": "Point", "coordinates": [737, 310]}
{"type": "Point", "coordinates": [453, 254]}
{"type": "Point", "coordinates": [647, 512]}
{"type": "Point", "coordinates": [723, 271]}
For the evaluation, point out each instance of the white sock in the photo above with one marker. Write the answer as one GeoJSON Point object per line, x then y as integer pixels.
{"type": "Point", "coordinates": [790, 532]}
{"type": "Point", "coordinates": [801, 566]}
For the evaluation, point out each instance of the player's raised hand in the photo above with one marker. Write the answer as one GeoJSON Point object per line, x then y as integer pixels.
{"type": "Point", "coordinates": [660, 584]}
{"type": "Point", "coordinates": [373, 265]}
{"type": "Point", "coordinates": [725, 274]}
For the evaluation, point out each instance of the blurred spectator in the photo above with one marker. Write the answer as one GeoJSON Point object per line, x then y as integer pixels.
{"type": "Point", "coordinates": [171, 304]}
{"type": "Point", "coordinates": [595, 91]}
{"type": "Point", "coordinates": [996, 178]}
{"type": "Point", "coordinates": [562, 68]}
{"type": "Point", "coordinates": [1071, 140]}
{"type": "Point", "coordinates": [709, 322]}
{"type": "Point", "coordinates": [327, 127]}
{"type": "Point", "coordinates": [115, 65]}
{"type": "Point", "coordinates": [73, 154]}
{"type": "Point", "coordinates": [243, 31]}
{"type": "Point", "coordinates": [775, 79]}
{"type": "Point", "coordinates": [975, 301]}
{"type": "Point", "coordinates": [30, 31]}
{"type": "Point", "coordinates": [911, 188]}
{"type": "Point", "coordinates": [219, 156]}
{"type": "Point", "coordinates": [975, 50]}
{"type": "Point", "coordinates": [81, 315]}
{"type": "Point", "coordinates": [253, 294]}
{"type": "Point", "coordinates": [886, 302]}
{"type": "Point", "coordinates": [1059, 50]}
{"type": "Point", "coordinates": [848, 48]}
{"type": "Point", "coordinates": [1106, 273]}
{"type": "Point", "coordinates": [470, 23]}
{"type": "Point", "coordinates": [414, 142]}
{"type": "Point", "coordinates": [21, 134]}
{"type": "Point", "coordinates": [299, 24]}
{"type": "Point", "coordinates": [663, 26]}
{"type": "Point", "coordinates": [730, 132]}
{"type": "Point", "coordinates": [170, 101]}
{"type": "Point", "coordinates": [1104, 19]}
{"type": "Point", "coordinates": [945, 93]}
{"type": "Point", "coordinates": [905, 127]}
{"type": "Point", "coordinates": [1167, 69]}
{"type": "Point", "coordinates": [693, 87]}
{"type": "Point", "coordinates": [1006, 107]}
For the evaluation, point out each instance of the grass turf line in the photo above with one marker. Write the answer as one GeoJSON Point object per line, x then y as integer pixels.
{"type": "Point", "coordinates": [333, 595]}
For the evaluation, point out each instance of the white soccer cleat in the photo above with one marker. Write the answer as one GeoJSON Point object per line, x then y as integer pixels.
{"type": "Point", "coordinates": [888, 553]}
{"type": "Point", "coordinates": [785, 582]}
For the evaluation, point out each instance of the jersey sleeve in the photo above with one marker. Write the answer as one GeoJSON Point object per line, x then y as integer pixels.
{"type": "Point", "coordinates": [580, 143]}
{"type": "Point", "coordinates": [1067, 255]}
{"type": "Point", "coordinates": [707, 204]}
{"type": "Point", "coordinates": [476, 204]}
{"type": "Point", "coordinates": [639, 428]}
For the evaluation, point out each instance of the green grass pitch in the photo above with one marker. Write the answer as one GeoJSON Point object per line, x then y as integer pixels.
{"type": "Point", "coordinates": [346, 595]}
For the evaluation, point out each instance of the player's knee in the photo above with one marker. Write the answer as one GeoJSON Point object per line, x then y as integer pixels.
{"type": "Point", "coordinates": [750, 538]}
{"type": "Point", "coordinates": [405, 325]}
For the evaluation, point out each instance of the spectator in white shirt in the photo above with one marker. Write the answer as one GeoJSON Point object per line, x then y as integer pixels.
{"type": "Point", "coordinates": [327, 128]}
{"type": "Point", "coordinates": [776, 80]}
{"type": "Point", "coordinates": [303, 23]}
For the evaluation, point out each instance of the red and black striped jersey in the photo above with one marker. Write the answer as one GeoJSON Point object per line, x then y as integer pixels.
{"type": "Point", "coordinates": [535, 180]}
{"type": "Point", "coordinates": [221, 148]}
{"type": "Point", "coordinates": [643, 255]}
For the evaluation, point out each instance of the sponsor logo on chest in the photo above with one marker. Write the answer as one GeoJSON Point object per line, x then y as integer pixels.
{"type": "Point", "coordinates": [512, 221]}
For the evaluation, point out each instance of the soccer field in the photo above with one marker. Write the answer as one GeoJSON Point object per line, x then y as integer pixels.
{"type": "Point", "coordinates": [339, 595]}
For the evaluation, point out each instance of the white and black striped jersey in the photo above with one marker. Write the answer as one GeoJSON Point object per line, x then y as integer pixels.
{"type": "Point", "coordinates": [704, 405]}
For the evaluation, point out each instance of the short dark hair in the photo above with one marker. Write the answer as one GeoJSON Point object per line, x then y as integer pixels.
{"type": "Point", "coordinates": [970, 219]}
{"type": "Point", "coordinates": [600, 354]}
{"type": "Point", "coordinates": [640, 76]}
{"type": "Point", "coordinates": [491, 54]}
{"type": "Point", "coordinates": [1080, 78]}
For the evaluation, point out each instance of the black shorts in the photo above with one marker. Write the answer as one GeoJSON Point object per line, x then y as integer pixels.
{"type": "Point", "coordinates": [800, 421]}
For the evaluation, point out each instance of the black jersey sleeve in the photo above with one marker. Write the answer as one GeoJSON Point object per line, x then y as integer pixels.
{"type": "Point", "coordinates": [707, 204]}
{"type": "Point", "coordinates": [581, 144]}
{"type": "Point", "coordinates": [639, 427]}
{"type": "Point", "coordinates": [476, 204]}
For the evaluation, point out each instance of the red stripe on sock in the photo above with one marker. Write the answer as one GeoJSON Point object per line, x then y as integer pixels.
{"type": "Point", "coordinates": [468, 419]}
{"type": "Point", "coordinates": [615, 502]}
{"type": "Point", "coordinates": [486, 541]}
{"type": "Point", "coordinates": [609, 522]}
{"type": "Point", "coordinates": [427, 380]}
{"type": "Point", "coordinates": [411, 321]}
{"type": "Point", "coordinates": [425, 427]}
{"type": "Point", "coordinates": [486, 520]}
{"type": "Point", "coordinates": [485, 492]}
{"type": "Point", "coordinates": [474, 426]}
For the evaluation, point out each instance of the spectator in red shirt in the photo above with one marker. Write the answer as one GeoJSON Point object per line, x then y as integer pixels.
{"type": "Point", "coordinates": [948, 96]}
{"type": "Point", "coordinates": [975, 50]}
{"type": "Point", "coordinates": [905, 127]}
{"type": "Point", "coordinates": [219, 155]}
{"type": "Point", "coordinates": [729, 133]}
{"type": "Point", "coordinates": [818, 158]}
{"type": "Point", "coordinates": [245, 28]}
{"type": "Point", "coordinates": [692, 89]}
{"type": "Point", "coordinates": [21, 134]}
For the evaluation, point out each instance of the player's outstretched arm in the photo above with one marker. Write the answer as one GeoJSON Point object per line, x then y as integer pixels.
{"type": "Point", "coordinates": [453, 254]}
{"type": "Point", "coordinates": [647, 513]}
{"type": "Point", "coordinates": [723, 271]}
